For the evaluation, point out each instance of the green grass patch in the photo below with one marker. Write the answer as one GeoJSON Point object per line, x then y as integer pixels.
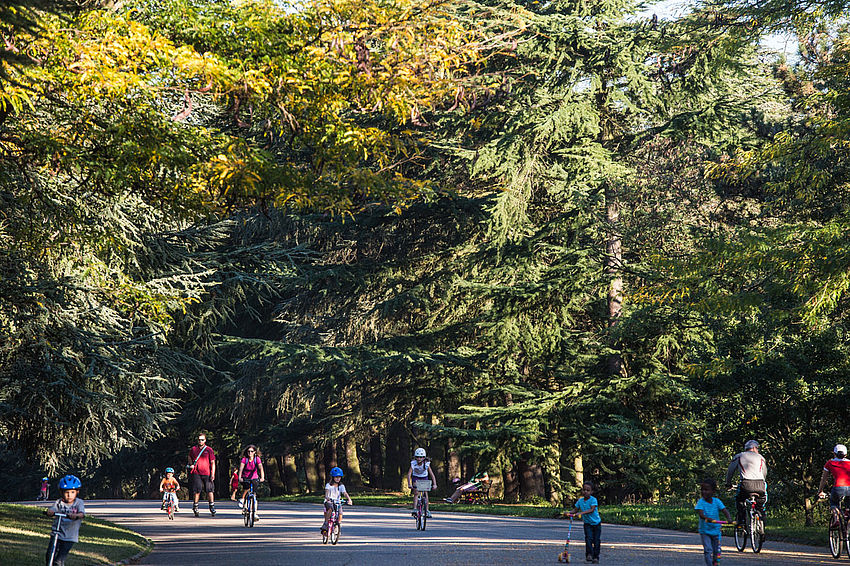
{"type": "Point", "coordinates": [25, 533]}
{"type": "Point", "coordinates": [781, 525]}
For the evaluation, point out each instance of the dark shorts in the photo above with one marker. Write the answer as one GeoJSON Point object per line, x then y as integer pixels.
{"type": "Point", "coordinates": [246, 483]}
{"type": "Point", "coordinates": [202, 484]}
{"type": "Point", "coordinates": [836, 494]}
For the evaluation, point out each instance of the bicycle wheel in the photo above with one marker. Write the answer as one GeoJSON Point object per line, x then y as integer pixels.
{"type": "Point", "coordinates": [171, 511]}
{"type": "Point", "coordinates": [325, 533]}
{"type": "Point", "coordinates": [741, 536]}
{"type": "Point", "coordinates": [835, 538]}
{"type": "Point", "coordinates": [334, 533]}
{"type": "Point", "coordinates": [252, 511]}
{"type": "Point", "coordinates": [245, 512]}
{"type": "Point", "coordinates": [756, 532]}
{"type": "Point", "coordinates": [424, 519]}
{"type": "Point", "coordinates": [843, 533]}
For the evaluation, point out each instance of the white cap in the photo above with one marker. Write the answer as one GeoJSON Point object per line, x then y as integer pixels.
{"type": "Point", "coordinates": [419, 453]}
{"type": "Point", "coordinates": [840, 449]}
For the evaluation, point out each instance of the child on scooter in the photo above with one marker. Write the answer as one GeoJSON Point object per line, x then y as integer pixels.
{"type": "Point", "coordinates": [69, 527]}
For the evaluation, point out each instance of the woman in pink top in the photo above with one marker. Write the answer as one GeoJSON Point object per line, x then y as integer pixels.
{"type": "Point", "coordinates": [250, 470]}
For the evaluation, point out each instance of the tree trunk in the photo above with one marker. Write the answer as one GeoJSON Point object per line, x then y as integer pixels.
{"type": "Point", "coordinates": [329, 458]}
{"type": "Point", "coordinates": [404, 456]}
{"type": "Point", "coordinates": [452, 463]}
{"type": "Point", "coordinates": [530, 480]}
{"type": "Point", "coordinates": [392, 471]}
{"type": "Point", "coordinates": [578, 466]}
{"type": "Point", "coordinates": [311, 471]}
{"type": "Point", "coordinates": [511, 484]}
{"type": "Point", "coordinates": [552, 471]}
{"type": "Point", "coordinates": [290, 473]}
{"type": "Point", "coordinates": [376, 462]}
{"type": "Point", "coordinates": [352, 461]}
{"type": "Point", "coordinates": [613, 263]}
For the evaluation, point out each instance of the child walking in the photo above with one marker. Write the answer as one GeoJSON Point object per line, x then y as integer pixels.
{"type": "Point", "coordinates": [708, 508]}
{"type": "Point", "coordinates": [587, 508]}
{"type": "Point", "coordinates": [69, 527]}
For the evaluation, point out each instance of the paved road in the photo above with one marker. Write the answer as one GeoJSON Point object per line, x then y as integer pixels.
{"type": "Point", "coordinates": [288, 534]}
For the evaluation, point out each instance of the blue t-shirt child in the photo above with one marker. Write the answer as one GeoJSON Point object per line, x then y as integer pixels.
{"type": "Point", "coordinates": [711, 511]}
{"type": "Point", "coordinates": [585, 505]}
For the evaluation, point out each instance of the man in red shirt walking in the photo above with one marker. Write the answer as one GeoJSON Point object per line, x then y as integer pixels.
{"type": "Point", "coordinates": [839, 469]}
{"type": "Point", "coordinates": [202, 473]}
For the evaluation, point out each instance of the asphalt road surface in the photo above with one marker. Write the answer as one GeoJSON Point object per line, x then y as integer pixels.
{"type": "Point", "coordinates": [288, 534]}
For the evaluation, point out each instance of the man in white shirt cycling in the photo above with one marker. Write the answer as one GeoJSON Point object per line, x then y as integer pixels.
{"type": "Point", "coordinates": [751, 468]}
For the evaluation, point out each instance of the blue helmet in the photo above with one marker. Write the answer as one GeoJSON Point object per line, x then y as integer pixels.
{"type": "Point", "coordinates": [336, 472]}
{"type": "Point", "coordinates": [70, 482]}
{"type": "Point", "coordinates": [169, 470]}
{"type": "Point", "coordinates": [45, 479]}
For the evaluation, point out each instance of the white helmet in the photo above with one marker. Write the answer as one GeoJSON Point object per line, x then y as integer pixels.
{"type": "Point", "coordinates": [419, 453]}
{"type": "Point", "coordinates": [840, 449]}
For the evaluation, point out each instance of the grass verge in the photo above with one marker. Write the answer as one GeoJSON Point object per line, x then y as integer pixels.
{"type": "Point", "coordinates": [781, 525]}
{"type": "Point", "coordinates": [25, 532]}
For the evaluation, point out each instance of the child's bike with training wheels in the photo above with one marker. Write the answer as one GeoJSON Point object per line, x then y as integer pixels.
{"type": "Point", "coordinates": [420, 513]}
{"type": "Point", "coordinates": [54, 537]}
{"type": "Point", "coordinates": [169, 504]}
{"type": "Point", "coordinates": [331, 533]}
{"type": "Point", "coordinates": [249, 506]}
{"type": "Point", "coordinates": [752, 527]}
{"type": "Point", "coordinates": [565, 555]}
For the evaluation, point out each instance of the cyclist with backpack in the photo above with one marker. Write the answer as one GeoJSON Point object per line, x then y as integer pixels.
{"type": "Point", "coordinates": [250, 471]}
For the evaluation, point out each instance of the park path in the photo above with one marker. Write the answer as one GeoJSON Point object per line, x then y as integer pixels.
{"type": "Point", "coordinates": [288, 534]}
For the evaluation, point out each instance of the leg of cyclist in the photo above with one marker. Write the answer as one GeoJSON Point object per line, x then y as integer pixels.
{"type": "Point", "coordinates": [415, 496]}
{"type": "Point", "coordinates": [328, 509]}
{"type": "Point", "coordinates": [427, 510]}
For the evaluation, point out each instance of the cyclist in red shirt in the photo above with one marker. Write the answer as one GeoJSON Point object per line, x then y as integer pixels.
{"type": "Point", "coordinates": [839, 469]}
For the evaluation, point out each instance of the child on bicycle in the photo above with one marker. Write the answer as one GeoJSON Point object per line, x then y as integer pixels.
{"type": "Point", "coordinates": [420, 469]}
{"type": "Point", "coordinates": [588, 509]}
{"type": "Point", "coordinates": [708, 508]}
{"type": "Point", "coordinates": [168, 488]}
{"type": "Point", "coordinates": [69, 527]}
{"type": "Point", "coordinates": [334, 491]}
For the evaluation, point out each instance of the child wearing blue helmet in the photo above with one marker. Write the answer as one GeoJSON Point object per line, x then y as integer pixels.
{"type": "Point", "coordinates": [334, 491]}
{"type": "Point", "coordinates": [69, 527]}
{"type": "Point", "coordinates": [168, 488]}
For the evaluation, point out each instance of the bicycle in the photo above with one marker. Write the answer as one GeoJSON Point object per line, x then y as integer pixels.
{"type": "Point", "coordinates": [422, 487]}
{"type": "Point", "coordinates": [752, 527]}
{"type": "Point", "coordinates": [249, 506]}
{"type": "Point", "coordinates": [838, 535]}
{"type": "Point", "coordinates": [54, 535]}
{"type": "Point", "coordinates": [169, 504]}
{"type": "Point", "coordinates": [332, 531]}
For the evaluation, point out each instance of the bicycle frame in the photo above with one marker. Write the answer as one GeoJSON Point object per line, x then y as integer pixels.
{"type": "Point", "coordinates": [171, 503]}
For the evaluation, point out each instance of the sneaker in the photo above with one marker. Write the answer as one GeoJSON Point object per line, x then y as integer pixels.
{"type": "Point", "coordinates": [256, 516]}
{"type": "Point", "coordinates": [428, 514]}
{"type": "Point", "coordinates": [413, 513]}
{"type": "Point", "coordinates": [195, 511]}
{"type": "Point", "coordinates": [240, 503]}
{"type": "Point", "coordinates": [588, 558]}
{"type": "Point", "coordinates": [448, 500]}
{"type": "Point", "coordinates": [596, 561]}
{"type": "Point", "coordinates": [212, 510]}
